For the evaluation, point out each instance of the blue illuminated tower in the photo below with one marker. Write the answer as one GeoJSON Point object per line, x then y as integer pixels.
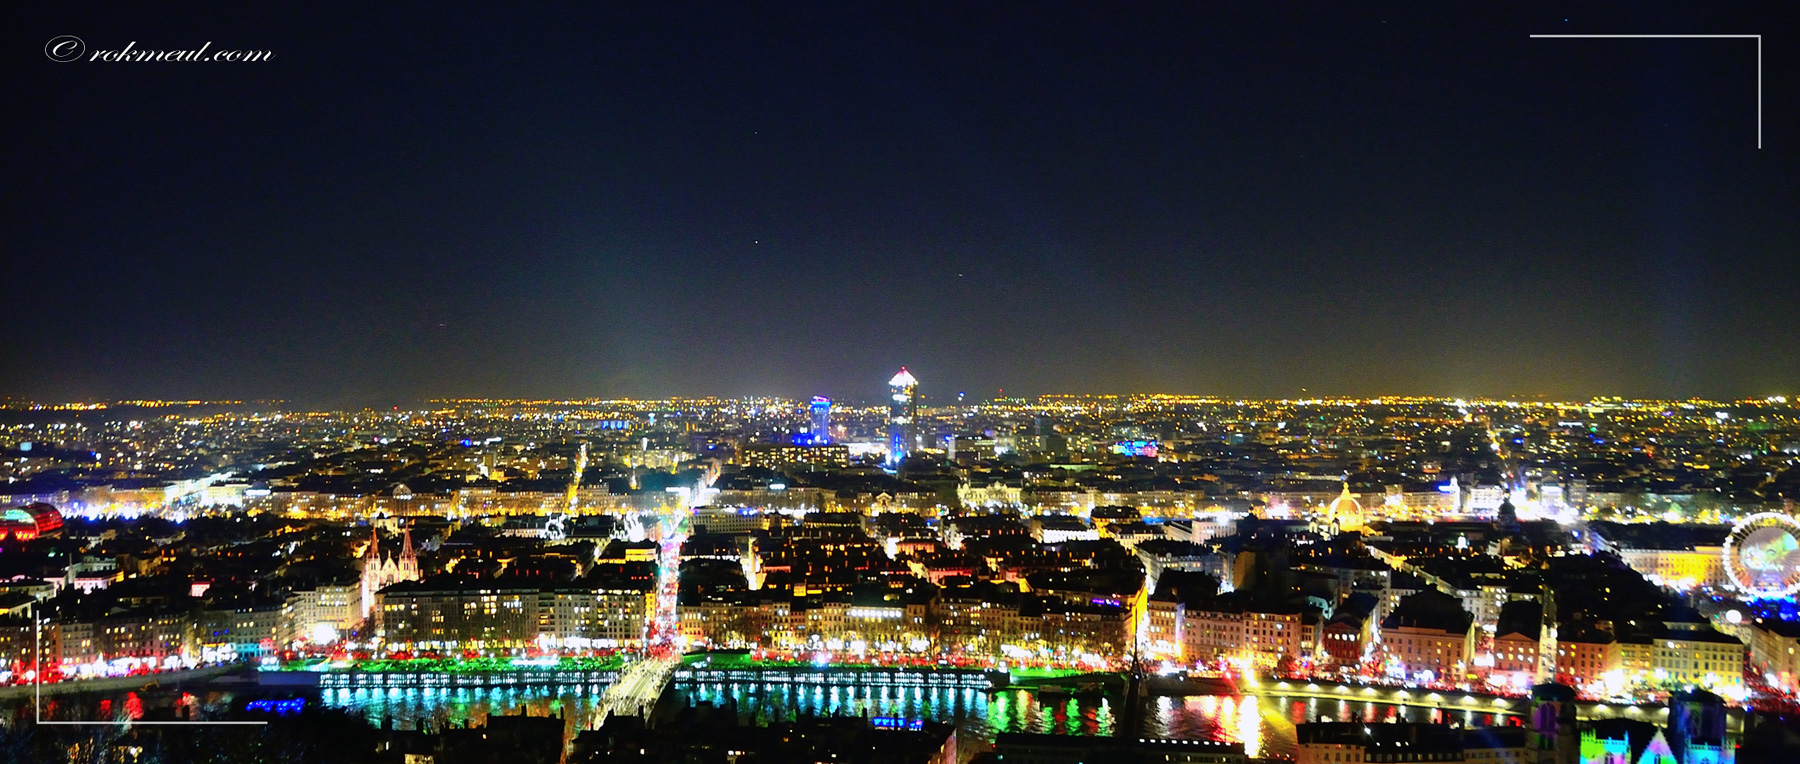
{"type": "Point", "coordinates": [821, 421]}
{"type": "Point", "coordinates": [903, 414]}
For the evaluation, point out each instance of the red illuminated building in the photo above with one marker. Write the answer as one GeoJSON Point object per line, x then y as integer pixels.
{"type": "Point", "coordinates": [29, 522]}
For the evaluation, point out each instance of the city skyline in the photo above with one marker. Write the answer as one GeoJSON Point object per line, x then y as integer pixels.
{"type": "Point", "coordinates": [878, 401]}
{"type": "Point", "coordinates": [1168, 573]}
{"type": "Point", "coordinates": [901, 383]}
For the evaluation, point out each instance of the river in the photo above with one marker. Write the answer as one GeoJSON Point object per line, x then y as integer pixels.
{"type": "Point", "coordinates": [1265, 725]}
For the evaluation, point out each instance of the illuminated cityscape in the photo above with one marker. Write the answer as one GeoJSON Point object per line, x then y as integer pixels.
{"type": "Point", "coordinates": [900, 383]}
{"type": "Point", "coordinates": [1438, 559]}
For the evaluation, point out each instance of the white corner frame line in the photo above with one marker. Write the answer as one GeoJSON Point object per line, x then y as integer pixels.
{"type": "Point", "coordinates": [37, 681]}
{"type": "Point", "coordinates": [1756, 37]}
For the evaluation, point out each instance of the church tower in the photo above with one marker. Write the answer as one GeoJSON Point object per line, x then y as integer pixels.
{"type": "Point", "coordinates": [371, 572]}
{"type": "Point", "coordinates": [409, 559]}
{"type": "Point", "coordinates": [379, 572]}
{"type": "Point", "coordinates": [1552, 727]}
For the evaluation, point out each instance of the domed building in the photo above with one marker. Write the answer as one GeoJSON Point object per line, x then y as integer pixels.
{"type": "Point", "coordinates": [1507, 517]}
{"type": "Point", "coordinates": [1345, 513]}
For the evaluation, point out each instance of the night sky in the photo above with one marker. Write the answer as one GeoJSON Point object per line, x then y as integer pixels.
{"type": "Point", "coordinates": [654, 199]}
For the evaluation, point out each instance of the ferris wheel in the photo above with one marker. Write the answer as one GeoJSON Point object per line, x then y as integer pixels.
{"type": "Point", "coordinates": [1762, 555]}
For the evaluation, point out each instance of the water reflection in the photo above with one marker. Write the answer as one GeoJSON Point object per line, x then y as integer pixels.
{"type": "Point", "coordinates": [977, 714]}
{"type": "Point", "coordinates": [437, 708]}
{"type": "Point", "coordinates": [1249, 725]}
{"type": "Point", "coordinates": [1266, 725]}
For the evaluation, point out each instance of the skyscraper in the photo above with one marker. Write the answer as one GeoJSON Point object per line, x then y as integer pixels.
{"type": "Point", "coordinates": [821, 421]}
{"type": "Point", "coordinates": [902, 416]}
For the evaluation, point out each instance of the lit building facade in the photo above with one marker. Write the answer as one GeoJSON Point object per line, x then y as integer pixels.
{"type": "Point", "coordinates": [1274, 634]}
{"type": "Point", "coordinates": [1700, 657]}
{"type": "Point", "coordinates": [240, 631]}
{"type": "Point", "coordinates": [903, 416]}
{"type": "Point", "coordinates": [777, 456]}
{"type": "Point", "coordinates": [1678, 568]}
{"type": "Point", "coordinates": [1445, 653]}
{"type": "Point", "coordinates": [1775, 654]}
{"type": "Point", "coordinates": [420, 616]}
{"type": "Point", "coordinates": [1207, 635]}
{"type": "Point", "coordinates": [1584, 659]}
{"type": "Point", "coordinates": [1359, 743]}
{"type": "Point", "coordinates": [820, 409]}
{"type": "Point", "coordinates": [582, 618]}
{"type": "Point", "coordinates": [1429, 638]}
{"type": "Point", "coordinates": [124, 635]}
{"type": "Point", "coordinates": [322, 614]}
{"type": "Point", "coordinates": [1515, 658]}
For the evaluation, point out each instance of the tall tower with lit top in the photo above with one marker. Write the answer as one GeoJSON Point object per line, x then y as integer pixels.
{"type": "Point", "coordinates": [903, 415]}
{"type": "Point", "coordinates": [821, 421]}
